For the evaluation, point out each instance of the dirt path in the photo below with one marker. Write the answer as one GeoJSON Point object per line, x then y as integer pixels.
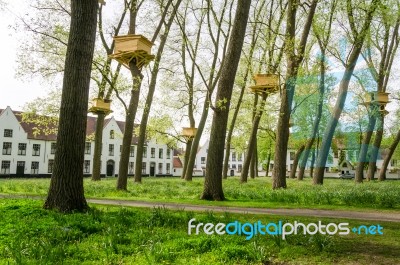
{"type": "Point", "coordinates": [371, 216]}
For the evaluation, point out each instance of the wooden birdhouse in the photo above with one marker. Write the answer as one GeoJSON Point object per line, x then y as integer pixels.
{"type": "Point", "coordinates": [382, 110]}
{"type": "Point", "coordinates": [379, 97]}
{"type": "Point", "coordinates": [100, 105]}
{"type": "Point", "coordinates": [132, 47]}
{"type": "Point", "coordinates": [102, 2]}
{"type": "Point", "coordinates": [268, 83]}
{"type": "Point", "coordinates": [189, 132]}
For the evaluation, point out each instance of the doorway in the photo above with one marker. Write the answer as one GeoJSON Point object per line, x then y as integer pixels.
{"type": "Point", "coordinates": [20, 169]}
{"type": "Point", "coordinates": [152, 169]}
{"type": "Point", "coordinates": [110, 168]}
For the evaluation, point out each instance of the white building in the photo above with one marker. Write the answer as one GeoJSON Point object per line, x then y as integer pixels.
{"type": "Point", "coordinates": [235, 161]}
{"type": "Point", "coordinates": [25, 153]}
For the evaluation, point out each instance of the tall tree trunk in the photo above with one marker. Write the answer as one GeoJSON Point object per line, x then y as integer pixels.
{"type": "Point", "coordinates": [98, 146]}
{"type": "Point", "coordinates": [312, 163]}
{"type": "Point", "coordinates": [188, 149]}
{"type": "Point", "coordinates": [392, 148]}
{"type": "Point", "coordinates": [232, 126]}
{"type": "Point", "coordinates": [296, 161]}
{"type": "Point", "coordinates": [359, 38]}
{"type": "Point", "coordinates": [310, 142]}
{"type": "Point", "coordinates": [196, 140]}
{"type": "Point", "coordinates": [213, 179]}
{"type": "Point", "coordinates": [293, 62]}
{"type": "Point", "coordinates": [149, 99]}
{"type": "Point", "coordinates": [131, 110]}
{"type": "Point", "coordinates": [129, 126]}
{"type": "Point", "coordinates": [362, 157]}
{"type": "Point", "coordinates": [375, 148]}
{"type": "Point", "coordinates": [252, 141]}
{"type": "Point", "coordinates": [268, 162]}
{"type": "Point", "coordinates": [66, 192]}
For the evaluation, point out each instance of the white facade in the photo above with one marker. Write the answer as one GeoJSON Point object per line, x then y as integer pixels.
{"type": "Point", "coordinates": [25, 154]}
{"type": "Point", "coordinates": [235, 162]}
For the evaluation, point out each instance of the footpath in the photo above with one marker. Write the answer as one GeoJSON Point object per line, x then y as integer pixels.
{"type": "Point", "coordinates": [339, 214]}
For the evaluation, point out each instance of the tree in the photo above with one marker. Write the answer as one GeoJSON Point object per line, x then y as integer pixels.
{"type": "Point", "coordinates": [152, 87]}
{"type": "Point", "coordinates": [213, 179]}
{"type": "Point", "coordinates": [392, 148]}
{"type": "Point", "coordinates": [322, 32]}
{"type": "Point", "coordinates": [218, 37]}
{"type": "Point", "coordinates": [66, 192]}
{"type": "Point", "coordinates": [358, 37]}
{"type": "Point", "coordinates": [294, 59]}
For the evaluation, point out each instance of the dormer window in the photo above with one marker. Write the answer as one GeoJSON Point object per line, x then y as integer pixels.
{"type": "Point", "coordinates": [112, 134]}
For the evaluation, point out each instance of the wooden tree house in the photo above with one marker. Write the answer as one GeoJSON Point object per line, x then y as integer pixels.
{"type": "Point", "coordinates": [265, 83]}
{"type": "Point", "coordinates": [100, 105]}
{"type": "Point", "coordinates": [189, 132]}
{"type": "Point", "coordinates": [132, 47]}
{"type": "Point", "coordinates": [381, 98]}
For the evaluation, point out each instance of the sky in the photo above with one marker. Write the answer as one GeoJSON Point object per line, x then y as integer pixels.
{"type": "Point", "coordinates": [14, 92]}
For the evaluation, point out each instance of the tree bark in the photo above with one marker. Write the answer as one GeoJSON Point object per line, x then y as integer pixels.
{"type": "Point", "coordinates": [375, 149]}
{"type": "Point", "coordinates": [362, 157]}
{"type": "Point", "coordinates": [293, 62]}
{"type": "Point", "coordinates": [186, 159]}
{"type": "Point", "coordinates": [98, 142]}
{"type": "Point", "coordinates": [66, 192]}
{"type": "Point", "coordinates": [137, 77]}
{"type": "Point", "coordinates": [296, 161]}
{"type": "Point", "coordinates": [213, 179]}
{"type": "Point", "coordinates": [150, 95]}
{"type": "Point", "coordinates": [252, 141]}
{"type": "Point", "coordinates": [392, 148]}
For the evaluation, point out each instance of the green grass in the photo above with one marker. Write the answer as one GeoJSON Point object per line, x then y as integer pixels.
{"type": "Point", "coordinates": [334, 194]}
{"type": "Point", "coordinates": [115, 235]}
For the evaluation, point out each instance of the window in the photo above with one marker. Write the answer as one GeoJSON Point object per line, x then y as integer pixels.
{"type": "Point", "coordinates": [234, 166]}
{"type": "Point", "coordinates": [5, 167]}
{"type": "Point", "coordinates": [35, 168]}
{"type": "Point", "coordinates": [168, 153]}
{"type": "Point", "coordinates": [143, 167]}
{"type": "Point", "coordinates": [131, 167]}
{"type": "Point", "coordinates": [111, 149]}
{"type": "Point", "coordinates": [160, 153]}
{"type": "Point", "coordinates": [132, 151]}
{"type": "Point", "coordinates": [153, 152]}
{"type": "Point", "coordinates": [7, 148]}
{"type": "Point", "coordinates": [112, 134]}
{"type": "Point", "coordinates": [239, 156]}
{"type": "Point", "coordinates": [36, 150]}
{"type": "Point", "coordinates": [145, 151]}
{"type": "Point", "coordinates": [8, 133]}
{"type": "Point", "coordinates": [21, 149]}
{"type": "Point", "coordinates": [53, 148]}
{"type": "Point", "coordinates": [240, 168]}
{"type": "Point", "coordinates": [86, 166]}
{"type": "Point", "coordinates": [233, 156]}
{"type": "Point", "coordinates": [291, 154]}
{"type": "Point", "coordinates": [88, 147]}
{"type": "Point", "coordinates": [203, 160]}
{"type": "Point", "coordinates": [160, 168]}
{"type": "Point", "coordinates": [168, 171]}
{"type": "Point", "coordinates": [50, 166]}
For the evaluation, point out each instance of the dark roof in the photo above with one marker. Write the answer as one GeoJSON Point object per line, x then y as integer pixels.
{"type": "Point", "coordinates": [47, 133]}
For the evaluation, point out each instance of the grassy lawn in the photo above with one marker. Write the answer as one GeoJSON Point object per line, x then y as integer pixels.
{"type": "Point", "coordinates": [115, 235]}
{"type": "Point", "coordinates": [334, 194]}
